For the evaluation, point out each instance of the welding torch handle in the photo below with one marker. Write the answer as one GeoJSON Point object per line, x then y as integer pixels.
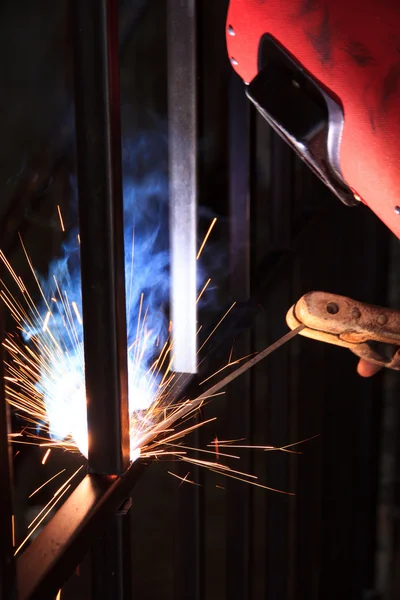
{"type": "Point", "coordinates": [371, 332]}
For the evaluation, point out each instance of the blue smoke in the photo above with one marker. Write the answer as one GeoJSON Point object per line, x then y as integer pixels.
{"type": "Point", "coordinates": [146, 231]}
{"type": "Point", "coordinates": [62, 382]}
{"type": "Point", "coordinates": [146, 261]}
{"type": "Point", "coordinates": [145, 194]}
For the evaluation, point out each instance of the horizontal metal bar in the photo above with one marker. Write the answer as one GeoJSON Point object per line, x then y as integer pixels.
{"type": "Point", "coordinates": [52, 557]}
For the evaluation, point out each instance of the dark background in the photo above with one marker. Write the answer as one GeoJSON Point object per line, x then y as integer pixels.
{"type": "Point", "coordinates": [280, 234]}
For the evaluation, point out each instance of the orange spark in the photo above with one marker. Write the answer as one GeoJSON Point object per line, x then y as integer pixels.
{"type": "Point", "coordinates": [288, 446]}
{"type": "Point", "coordinates": [41, 520]}
{"type": "Point", "coordinates": [184, 479]}
{"type": "Point", "coordinates": [218, 467]}
{"type": "Point", "coordinates": [68, 480]}
{"type": "Point", "coordinates": [46, 482]}
{"type": "Point", "coordinates": [61, 219]}
{"type": "Point", "coordinates": [13, 529]}
{"type": "Point", "coordinates": [216, 327]}
{"type": "Point", "coordinates": [65, 485]}
{"type": "Point", "coordinates": [203, 290]}
{"type": "Point", "coordinates": [229, 364]}
{"type": "Point", "coordinates": [264, 487]}
{"type": "Point", "coordinates": [46, 456]}
{"type": "Point", "coordinates": [216, 448]}
{"type": "Point", "coordinates": [206, 238]}
{"type": "Point", "coordinates": [183, 433]}
{"type": "Point", "coordinates": [231, 352]}
{"type": "Point", "coordinates": [224, 445]}
{"type": "Point", "coordinates": [154, 431]}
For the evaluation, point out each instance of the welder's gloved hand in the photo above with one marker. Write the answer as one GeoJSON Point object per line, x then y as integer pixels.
{"type": "Point", "coordinates": [367, 369]}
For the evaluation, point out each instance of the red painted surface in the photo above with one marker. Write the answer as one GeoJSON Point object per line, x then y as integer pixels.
{"type": "Point", "coordinates": [352, 47]}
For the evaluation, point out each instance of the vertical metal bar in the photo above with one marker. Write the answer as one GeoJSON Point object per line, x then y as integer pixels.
{"type": "Point", "coordinates": [239, 186]}
{"type": "Point", "coordinates": [183, 187]}
{"type": "Point", "coordinates": [281, 192]}
{"type": "Point", "coordinates": [182, 119]}
{"type": "Point", "coordinates": [188, 556]}
{"type": "Point", "coordinates": [7, 567]}
{"type": "Point", "coordinates": [98, 137]}
{"type": "Point", "coordinates": [387, 556]}
{"type": "Point", "coordinates": [278, 532]}
{"type": "Point", "coordinates": [239, 402]}
{"type": "Point", "coordinates": [112, 561]}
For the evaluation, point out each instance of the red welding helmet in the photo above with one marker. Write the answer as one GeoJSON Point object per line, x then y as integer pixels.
{"type": "Point", "coordinates": [326, 76]}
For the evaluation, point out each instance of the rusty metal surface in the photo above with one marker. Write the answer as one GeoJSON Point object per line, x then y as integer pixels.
{"type": "Point", "coordinates": [351, 324]}
{"type": "Point", "coordinates": [351, 320]}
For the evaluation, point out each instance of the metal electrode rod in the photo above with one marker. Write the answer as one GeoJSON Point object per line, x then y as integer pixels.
{"type": "Point", "coordinates": [191, 405]}
{"type": "Point", "coordinates": [98, 143]}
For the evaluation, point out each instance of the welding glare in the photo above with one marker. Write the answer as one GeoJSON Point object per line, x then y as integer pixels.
{"type": "Point", "coordinates": [55, 330]}
{"type": "Point", "coordinates": [46, 375]}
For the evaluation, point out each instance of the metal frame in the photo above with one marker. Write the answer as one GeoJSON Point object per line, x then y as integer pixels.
{"type": "Point", "coordinates": [92, 508]}
{"type": "Point", "coordinates": [98, 508]}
